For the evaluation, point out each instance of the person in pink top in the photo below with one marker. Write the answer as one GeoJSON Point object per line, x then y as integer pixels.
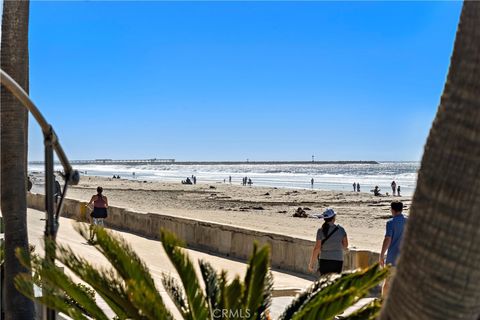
{"type": "Point", "coordinates": [100, 206]}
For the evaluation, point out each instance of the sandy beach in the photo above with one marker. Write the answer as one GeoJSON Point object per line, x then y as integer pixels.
{"type": "Point", "coordinates": [264, 209]}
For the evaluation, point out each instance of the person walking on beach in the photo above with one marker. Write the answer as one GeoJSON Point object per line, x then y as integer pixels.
{"type": "Point", "coordinates": [354, 187]}
{"type": "Point", "coordinates": [312, 182]}
{"type": "Point", "coordinates": [99, 213]}
{"type": "Point", "coordinates": [358, 187]}
{"type": "Point", "coordinates": [331, 242]}
{"type": "Point", "coordinates": [394, 187]}
{"type": "Point", "coordinates": [398, 191]}
{"type": "Point", "coordinates": [194, 179]}
{"type": "Point", "coordinates": [393, 239]}
{"type": "Point", "coordinates": [230, 179]}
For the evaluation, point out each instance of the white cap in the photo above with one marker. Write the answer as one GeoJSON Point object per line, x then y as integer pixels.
{"type": "Point", "coordinates": [329, 213]}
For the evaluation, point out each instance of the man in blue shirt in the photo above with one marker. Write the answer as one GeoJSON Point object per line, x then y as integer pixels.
{"type": "Point", "coordinates": [393, 239]}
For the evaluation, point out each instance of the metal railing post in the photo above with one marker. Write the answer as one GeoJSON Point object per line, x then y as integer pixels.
{"type": "Point", "coordinates": [50, 226]}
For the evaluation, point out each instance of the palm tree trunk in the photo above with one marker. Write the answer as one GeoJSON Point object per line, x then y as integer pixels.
{"type": "Point", "coordinates": [438, 274]}
{"type": "Point", "coordinates": [14, 61]}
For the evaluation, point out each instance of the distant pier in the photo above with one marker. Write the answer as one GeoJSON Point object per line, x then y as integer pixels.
{"type": "Point", "coordinates": [117, 162]}
{"type": "Point", "coordinates": [172, 161]}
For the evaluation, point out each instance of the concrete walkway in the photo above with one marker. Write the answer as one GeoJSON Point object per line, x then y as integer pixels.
{"type": "Point", "coordinates": [151, 251]}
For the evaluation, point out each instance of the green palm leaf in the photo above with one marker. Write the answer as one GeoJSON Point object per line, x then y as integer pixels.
{"type": "Point", "coordinates": [305, 296]}
{"type": "Point", "coordinates": [327, 308]}
{"type": "Point", "coordinates": [133, 271]}
{"type": "Point", "coordinates": [24, 282]}
{"type": "Point", "coordinates": [356, 284]}
{"type": "Point", "coordinates": [104, 281]}
{"type": "Point", "coordinates": [57, 288]}
{"type": "Point", "coordinates": [233, 296]}
{"type": "Point", "coordinates": [222, 285]}
{"type": "Point", "coordinates": [367, 312]}
{"type": "Point", "coordinates": [263, 310]}
{"type": "Point", "coordinates": [198, 307]}
{"type": "Point", "coordinates": [175, 291]}
{"type": "Point", "coordinates": [212, 284]}
{"type": "Point", "coordinates": [255, 279]}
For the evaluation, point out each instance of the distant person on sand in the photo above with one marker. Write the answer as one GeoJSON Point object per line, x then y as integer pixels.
{"type": "Point", "coordinates": [250, 182]}
{"type": "Point", "coordinates": [358, 187]}
{"type": "Point", "coordinates": [354, 187]}
{"type": "Point", "coordinates": [398, 191]}
{"type": "Point", "coordinates": [376, 191]}
{"type": "Point", "coordinates": [394, 187]}
{"type": "Point", "coordinates": [230, 179]}
{"type": "Point", "coordinates": [312, 182]}
{"type": "Point", "coordinates": [393, 239]}
{"type": "Point", "coordinates": [194, 179]}
{"type": "Point", "coordinates": [99, 213]}
{"type": "Point", "coordinates": [331, 242]}
{"type": "Point", "coordinates": [187, 181]}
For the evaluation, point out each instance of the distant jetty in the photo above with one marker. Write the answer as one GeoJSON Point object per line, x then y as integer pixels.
{"type": "Point", "coordinates": [172, 161]}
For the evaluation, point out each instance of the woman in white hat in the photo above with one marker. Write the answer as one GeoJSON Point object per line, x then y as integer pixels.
{"type": "Point", "coordinates": [331, 242]}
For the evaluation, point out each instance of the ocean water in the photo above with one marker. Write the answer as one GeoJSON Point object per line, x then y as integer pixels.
{"type": "Point", "coordinates": [326, 176]}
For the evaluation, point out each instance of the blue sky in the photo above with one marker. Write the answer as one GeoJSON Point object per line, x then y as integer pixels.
{"type": "Point", "coordinates": [231, 81]}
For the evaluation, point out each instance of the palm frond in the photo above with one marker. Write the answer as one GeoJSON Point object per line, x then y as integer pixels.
{"type": "Point", "coordinates": [328, 307]}
{"type": "Point", "coordinates": [23, 283]}
{"type": "Point", "coordinates": [332, 296]}
{"type": "Point", "coordinates": [258, 267]}
{"type": "Point", "coordinates": [222, 285]}
{"type": "Point", "coordinates": [212, 284]}
{"type": "Point", "coordinates": [175, 291]}
{"type": "Point", "coordinates": [263, 311]}
{"type": "Point", "coordinates": [233, 294]}
{"type": "Point", "coordinates": [104, 281]}
{"type": "Point", "coordinates": [132, 270]}
{"type": "Point", "coordinates": [305, 296]}
{"type": "Point", "coordinates": [88, 291]}
{"type": "Point", "coordinates": [57, 288]}
{"type": "Point", "coordinates": [197, 302]}
{"type": "Point", "coordinates": [368, 312]}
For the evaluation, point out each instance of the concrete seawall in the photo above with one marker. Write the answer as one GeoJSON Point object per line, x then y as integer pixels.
{"type": "Point", "coordinates": [287, 253]}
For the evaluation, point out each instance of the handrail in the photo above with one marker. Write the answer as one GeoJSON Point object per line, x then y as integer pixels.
{"type": "Point", "coordinates": [71, 176]}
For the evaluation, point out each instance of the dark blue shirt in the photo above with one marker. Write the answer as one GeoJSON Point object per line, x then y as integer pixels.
{"type": "Point", "coordinates": [395, 228]}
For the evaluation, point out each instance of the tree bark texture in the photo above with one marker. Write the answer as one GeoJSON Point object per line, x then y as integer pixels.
{"type": "Point", "coordinates": [14, 119]}
{"type": "Point", "coordinates": [438, 273]}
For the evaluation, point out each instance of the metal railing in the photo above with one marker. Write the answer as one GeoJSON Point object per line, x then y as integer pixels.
{"type": "Point", "coordinates": [71, 176]}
